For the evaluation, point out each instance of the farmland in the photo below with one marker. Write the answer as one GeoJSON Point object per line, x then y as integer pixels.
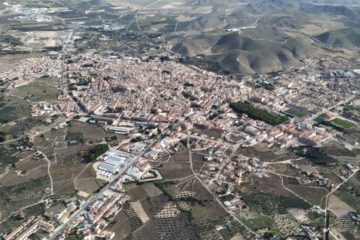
{"type": "Point", "coordinates": [17, 196]}
{"type": "Point", "coordinates": [199, 209]}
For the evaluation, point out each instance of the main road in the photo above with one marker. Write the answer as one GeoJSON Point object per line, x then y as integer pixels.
{"type": "Point", "coordinates": [59, 230]}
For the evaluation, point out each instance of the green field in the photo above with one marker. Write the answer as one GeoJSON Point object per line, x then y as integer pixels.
{"type": "Point", "coordinates": [295, 112]}
{"type": "Point", "coordinates": [342, 123]}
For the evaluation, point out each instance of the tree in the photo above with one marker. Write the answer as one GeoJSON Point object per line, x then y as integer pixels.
{"type": "Point", "coordinates": [96, 151]}
{"type": "Point", "coordinates": [2, 136]}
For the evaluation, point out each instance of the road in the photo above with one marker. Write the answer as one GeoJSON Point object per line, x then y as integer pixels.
{"type": "Point", "coordinates": [313, 117]}
{"type": "Point", "coordinates": [212, 194]}
{"type": "Point", "coordinates": [326, 220]}
{"type": "Point", "coordinates": [59, 230]}
{"type": "Point", "coordinates": [288, 189]}
{"type": "Point", "coordinates": [10, 141]}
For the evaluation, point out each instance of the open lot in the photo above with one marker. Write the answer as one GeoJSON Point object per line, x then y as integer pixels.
{"type": "Point", "coordinates": [261, 152]}
{"type": "Point", "coordinates": [121, 225]}
{"type": "Point", "coordinates": [89, 132]}
{"type": "Point", "coordinates": [63, 178]}
{"type": "Point", "coordinates": [42, 89]}
{"type": "Point", "coordinates": [339, 207]}
{"type": "Point", "coordinates": [86, 180]}
{"type": "Point", "coordinates": [177, 167]}
{"type": "Point", "coordinates": [271, 185]}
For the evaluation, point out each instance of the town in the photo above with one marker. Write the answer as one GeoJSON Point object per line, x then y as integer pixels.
{"type": "Point", "coordinates": [162, 103]}
{"type": "Point", "coordinates": [118, 131]}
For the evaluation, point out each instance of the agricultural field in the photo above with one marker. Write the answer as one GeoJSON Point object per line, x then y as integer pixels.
{"type": "Point", "coordinates": [338, 150]}
{"type": "Point", "coordinates": [14, 108]}
{"type": "Point", "coordinates": [312, 194]}
{"type": "Point", "coordinates": [190, 201]}
{"type": "Point", "coordinates": [7, 156]}
{"type": "Point", "coordinates": [15, 197]}
{"type": "Point", "coordinates": [338, 206]}
{"type": "Point", "coordinates": [350, 192]}
{"type": "Point", "coordinates": [25, 171]}
{"type": "Point", "coordinates": [270, 206]}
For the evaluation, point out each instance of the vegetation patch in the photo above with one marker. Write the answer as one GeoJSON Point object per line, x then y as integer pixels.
{"type": "Point", "coordinates": [257, 113]}
{"type": "Point", "coordinates": [315, 155]}
{"type": "Point", "coordinates": [2, 136]}
{"type": "Point", "coordinates": [96, 152]}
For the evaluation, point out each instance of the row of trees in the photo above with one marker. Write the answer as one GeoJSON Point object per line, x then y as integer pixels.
{"type": "Point", "coordinates": [257, 113]}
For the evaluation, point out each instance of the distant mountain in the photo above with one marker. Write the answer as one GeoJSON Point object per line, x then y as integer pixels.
{"type": "Point", "coordinates": [342, 38]}
{"type": "Point", "coordinates": [237, 53]}
{"type": "Point", "coordinates": [331, 9]}
{"type": "Point", "coordinates": [269, 35]}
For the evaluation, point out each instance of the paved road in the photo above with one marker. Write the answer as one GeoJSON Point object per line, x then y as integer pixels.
{"type": "Point", "coordinates": [59, 230]}
{"type": "Point", "coordinates": [212, 194]}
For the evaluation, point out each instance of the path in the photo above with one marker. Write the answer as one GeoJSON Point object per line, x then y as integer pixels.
{"type": "Point", "coordinates": [76, 177]}
{"type": "Point", "coordinates": [326, 220]}
{"type": "Point", "coordinates": [48, 169]}
{"type": "Point", "coordinates": [150, 4]}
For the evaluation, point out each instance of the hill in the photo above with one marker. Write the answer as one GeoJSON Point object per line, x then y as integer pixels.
{"type": "Point", "coordinates": [342, 38]}
{"type": "Point", "coordinates": [237, 53]}
{"type": "Point", "coordinates": [343, 10]}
